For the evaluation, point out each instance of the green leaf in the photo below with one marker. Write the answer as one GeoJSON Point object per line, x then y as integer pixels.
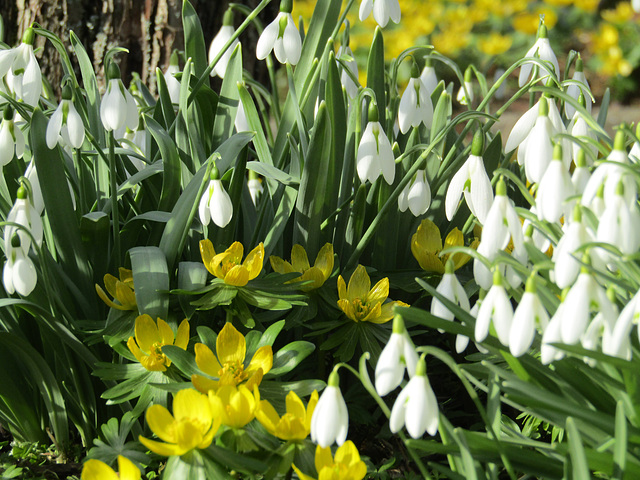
{"type": "Point", "coordinates": [580, 467]}
{"type": "Point", "coordinates": [228, 99]}
{"type": "Point", "coordinates": [151, 281]}
{"type": "Point", "coordinates": [289, 356]}
{"type": "Point", "coordinates": [376, 73]}
{"type": "Point", "coordinates": [193, 38]}
{"type": "Point", "coordinates": [621, 442]}
{"type": "Point", "coordinates": [170, 163]}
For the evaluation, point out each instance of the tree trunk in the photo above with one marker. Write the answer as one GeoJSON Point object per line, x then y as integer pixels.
{"type": "Point", "coordinates": [149, 29]}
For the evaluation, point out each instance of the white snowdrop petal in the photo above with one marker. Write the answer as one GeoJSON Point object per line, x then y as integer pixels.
{"type": "Point", "coordinates": [53, 127]}
{"type": "Point", "coordinates": [292, 42]}
{"type": "Point", "coordinates": [267, 39]}
{"type": "Point", "coordinates": [24, 275]}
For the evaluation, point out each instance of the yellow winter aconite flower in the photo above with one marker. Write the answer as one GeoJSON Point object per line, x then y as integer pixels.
{"type": "Point", "coordinates": [621, 14]}
{"type": "Point", "coordinates": [346, 465]}
{"type": "Point", "coordinates": [120, 289]}
{"type": "Point", "coordinates": [97, 470]}
{"type": "Point", "coordinates": [293, 425]}
{"type": "Point", "coordinates": [228, 265]}
{"type": "Point", "coordinates": [494, 44]}
{"type": "Point", "coordinates": [192, 425]}
{"type": "Point", "coordinates": [151, 337]}
{"type": "Point", "coordinates": [426, 245]}
{"type": "Point", "coordinates": [528, 22]}
{"type": "Point", "coordinates": [234, 406]}
{"type": "Point", "coordinates": [361, 303]}
{"type": "Point", "coordinates": [229, 366]}
{"type": "Point", "coordinates": [317, 274]}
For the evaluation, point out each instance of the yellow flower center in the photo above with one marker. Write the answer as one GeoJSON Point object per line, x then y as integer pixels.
{"type": "Point", "coordinates": [226, 266]}
{"type": "Point", "coordinates": [235, 370]}
{"type": "Point", "coordinates": [156, 353]}
{"type": "Point", "coordinates": [361, 308]}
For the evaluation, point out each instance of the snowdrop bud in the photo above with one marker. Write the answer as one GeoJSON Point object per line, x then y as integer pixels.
{"type": "Point", "coordinates": [465, 94]}
{"type": "Point", "coordinates": [330, 419]}
{"type": "Point", "coordinates": [634, 154]}
{"type": "Point", "coordinates": [416, 406]}
{"type": "Point", "coordinates": [383, 10]}
{"type": "Point", "coordinates": [281, 36]}
{"type": "Point", "coordinates": [398, 354]}
{"type": "Point", "coordinates": [541, 49]}
{"type": "Point", "coordinates": [575, 91]}
{"type": "Point", "coordinates": [255, 186]}
{"type": "Point", "coordinates": [220, 40]}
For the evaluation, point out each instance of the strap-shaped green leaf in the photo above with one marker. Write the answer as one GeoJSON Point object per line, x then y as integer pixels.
{"type": "Point", "coordinates": [194, 46]}
{"type": "Point", "coordinates": [170, 163]}
{"type": "Point", "coordinates": [151, 281]}
{"type": "Point", "coordinates": [228, 98]}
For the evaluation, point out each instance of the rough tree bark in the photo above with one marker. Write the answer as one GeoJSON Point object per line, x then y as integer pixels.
{"type": "Point", "coordinates": [149, 29]}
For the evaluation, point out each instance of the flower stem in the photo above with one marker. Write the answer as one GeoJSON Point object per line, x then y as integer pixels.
{"type": "Point", "coordinates": [114, 198]}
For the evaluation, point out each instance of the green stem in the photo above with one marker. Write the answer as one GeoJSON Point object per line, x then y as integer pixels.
{"type": "Point", "coordinates": [115, 218]}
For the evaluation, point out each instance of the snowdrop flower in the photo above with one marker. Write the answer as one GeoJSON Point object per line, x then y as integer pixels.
{"type": "Point", "coordinates": [473, 181]}
{"type": "Point", "coordinates": [428, 76]}
{"type": "Point", "coordinates": [330, 419]}
{"type": "Point", "coordinates": [25, 78]}
{"type": "Point", "coordinates": [11, 138]}
{"type": "Point", "coordinates": [375, 155]}
{"type": "Point", "coordinates": [620, 224]}
{"type": "Point", "coordinates": [255, 186]}
{"type": "Point", "coordinates": [65, 125]}
{"type": "Point", "coordinates": [528, 314]}
{"type": "Point", "coordinates": [139, 139]}
{"type": "Point", "coordinates": [222, 37]}
{"type": "Point", "coordinates": [566, 265]}
{"type": "Point", "coordinates": [383, 10]}
{"type": "Point", "coordinates": [538, 152]}
{"type": "Point", "coordinates": [549, 353]}
{"type": "Point", "coordinates": [416, 196]}
{"type": "Point", "coordinates": [495, 308]}
{"type": "Point", "coordinates": [618, 342]}
{"type": "Point", "coordinates": [584, 297]}
{"type": "Point", "coordinates": [399, 354]}
{"type": "Point", "coordinates": [415, 105]}
{"type": "Point", "coordinates": [36, 192]}
{"type": "Point", "coordinates": [118, 108]}
{"type": "Point", "coordinates": [215, 203]}
{"type": "Point", "coordinates": [173, 85]}
{"type": "Point", "coordinates": [346, 77]}
{"type": "Point", "coordinates": [465, 94]}
{"type": "Point", "coordinates": [541, 49]}
{"type": "Point", "coordinates": [416, 406]}
{"type": "Point", "coordinates": [19, 273]}
{"type": "Point", "coordinates": [580, 129]}
{"type": "Point", "coordinates": [575, 91]}
{"type": "Point", "coordinates": [554, 188]}
{"type": "Point", "coordinates": [502, 223]}
{"type": "Point", "coordinates": [634, 153]}
{"type": "Point", "coordinates": [581, 174]}
{"type": "Point", "coordinates": [282, 37]}
{"type": "Point", "coordinates": [526, 122]}
{"type": "Point", "coordinates": [23, 213]}
{"type": "Point", "coordinates": [608, 175]}
{"type": "Point", "coordinates": [450, 288]}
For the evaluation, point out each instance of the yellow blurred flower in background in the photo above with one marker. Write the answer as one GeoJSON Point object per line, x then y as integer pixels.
{"type": "Point", "coordinates": [229, 366]}
{"type": "Point", "coordinates": [228, 265]}
{"type": "Point", "coordinates": [346, 465]}
{"type": "Point", "coordinates": [295, 424]}
{"type": "Point", "coordinates": [494, 44]}
{"type": "Point", "coordinates": [528, 22]}
{"type": "Point", "coordinates": [192, 425]}
{"type": "Point", "coordinates": [97, 470]}
{"type": "Point", "coordinates": [150, 337]}
{"type": "Point", "coordinates": [621, 14]}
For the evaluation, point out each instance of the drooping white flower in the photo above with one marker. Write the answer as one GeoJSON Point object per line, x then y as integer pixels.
{"type": "Point", "coordinates": [538, 152]}
{"type": "Point", "coordinates": [450, 288]}
{"type": "Point", "coordinates": [575, 90]}
{"type": "Point", "coordinates": [397, 355]}
{"type": "Point", "coordinates": [552, 334]}
{"type": "Point", "coordinates": [254, 184]}
{"type": "Point", "coordinates": [330, 419]}
{"type": "Point", "coordinates": [222, 37]}
{"type": "Point", "coordinates": [554, 188]}
{"type": "Point", "coordinates": [118, 108]}
{"type": "Point", "coordinates": [283, 38]}
{"type": "Point", "coordinates": [416, 196]}
{"type": "Point", "coordinates": [23, 213]}
{"type": "Point", "coordinates": [584, 299]}
{"type": "Point", "coordinates": [383, 10]}
{"type": "Point", "coordinates": [529, 313]}
{"type": "Point", "coordinates": [25, 78]}
{"type": "Point", "coordinates": [580, 129]}
{"type": "Point", "coordinates": [416, 407]}
{"type": "Point", "coordinates": [428, 76]}
{"type": "Point", "coordinates": [36, 192]}
{"type": "Point", "coordinates": [495, 308]}
{"type": "Point", "coordinates": [375, 155]}
{"type": "Point", "coordinates": [472, 180]}
{"type": "Point", "coordinates": [347, 77]}
{"type": "Point", "coordinates": [526, 122]}
{"type": "Point", "coordinates": [215, 203]}
{"type": "Point", "coordinates": [620, 224]}
{"type": "Point", "coordinates": [415, 104]}
{"type": "Point", "coordinates": [618, 343]}
{"type": "Point", "coordinates": [65, 125]}
{"type": "Point", "coordinates": [566, 265]}
{"type": "Point", "coordinates": [465, 93]}
{"type": "Point", "coordinates": [542, 50]}
{"type": "Point", "coordinates": [19, 273]}
{"type": "Point", "coordinates": [173, 84]}
{"type": "Point", "coordinates": [11, 138]}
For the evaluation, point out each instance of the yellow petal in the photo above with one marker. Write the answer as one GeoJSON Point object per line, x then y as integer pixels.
{"type": "Point", "coordinates": [311, 406]}
{"type": "Point", "coordinates": [428, 236]}
{"type": "Point", "coordinates": [154, 363]}
{"type": "Point", "coordinates": [263, 359]}
{"type": "Point", "coordinates": [238, 276]}
{"type": "Point", "coordinates": [342, 288]}
{"type": "Point", "coordinates": [254, 379]}
{"type": "Point", "coordinates": [161, 423]}
{"type": "Point", "coordinates": [268, 416]}
{"type": "Point", "coordinates": [291, 428]}
{"type": "Point", "coordinates": [107, 300]}
{"type": "Point", "coordinates": [429, 262]}
{"type": "Point", "coordinates": [347, 454]}
{"type": "Point", "coordinates": [146, 332]}
{"type": "Point", "coordinates": [206, 360]}
{"type": "Point", "coordinates": [374, 314]}
{"type": "Point", "coordinates": [379, 292]}
{"type": "Point", "coordinates": [347, 307]}
{"type": "Point", "coordinates": [133, 347]}
{"type": "Point", "coordinates": [127, 469]}
{"type": "Point", "coordinates": [202, 384]}
{"type": "Point", "coordinates": [454, 238]}
{"type": "Point", "coordinates": [356, 472]}
{"type": "Point", "coordinates": [299, 259]}
{"type": "Point", "coordinates": [387, 312]}
{"type": "Point", "coordinates": [231, 347]}
{"type": "Point", "coordinates": [182, 337]}
{"type": "Point", "coordinates": [323, 458]}
{"type": "Point", "coordinates": [189, 404]}
{"type": "Point", "coordinates": [300, 474]}
{"type": "Point", "coordinates": [295, 405]}
{"type": "Point", "coordinates": [188, 435]}
{"type": "Point", "coordinates": [314, 275]}
{"type": "Point", "coordinates": [207, 252]}
{"type": "Point", "coordinates": [235, 252]}
{"type": "Point", "coordinates": [208, 438]}
{"type": "Point", "coordinates": [359, 284]}
{"type": "Point", "coordinates": [217, 405]}
{"type": "Point", "coordinates": [125, 275]}
{"type": "Point", "coordinates": [125, 295]}
{"type": "Point", "coordinates": [254, 261]}
{"type": "Point", "coordinates": [110, 284]}
{"type": "Point", "coordinates": [166, 334]}
{"type": "Point", "coordinates": [97, 470]}
{"type": "Point", "coordinates": [279, 265]}
{"type": "Point", "coordinates": [324, 260]}
{"type": "Point", "coordinates": [164, 449]}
